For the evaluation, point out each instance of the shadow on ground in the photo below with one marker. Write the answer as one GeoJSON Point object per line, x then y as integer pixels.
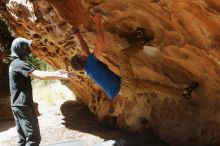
{"type": "Point", "coordinates": [78, 117]}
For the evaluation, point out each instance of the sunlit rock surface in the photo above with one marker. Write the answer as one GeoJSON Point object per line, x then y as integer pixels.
{"type": "Point", "coordinates": [185, 46]}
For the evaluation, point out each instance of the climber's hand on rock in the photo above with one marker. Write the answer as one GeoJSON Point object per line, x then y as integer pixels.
{"type": "Point", "coordinates": [96, 17]}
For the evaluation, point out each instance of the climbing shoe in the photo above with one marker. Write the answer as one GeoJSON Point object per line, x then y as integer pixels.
{"type": "Point", "coordinates": [187, 91]}
{"type": "Point", "coordinates": [138, 36]}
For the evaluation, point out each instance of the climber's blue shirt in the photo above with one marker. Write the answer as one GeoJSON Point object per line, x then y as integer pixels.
{"type": "Point", "coordinates": [103, 76]}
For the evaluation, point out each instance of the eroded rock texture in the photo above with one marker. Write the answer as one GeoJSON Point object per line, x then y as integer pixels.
{"type": "Point", "coordinates": [185, 46]}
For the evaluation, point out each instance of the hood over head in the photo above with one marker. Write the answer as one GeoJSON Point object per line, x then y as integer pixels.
{"type": "Point", "coordinates": [20, 47]}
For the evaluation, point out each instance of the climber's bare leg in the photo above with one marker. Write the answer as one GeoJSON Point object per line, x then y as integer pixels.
{"type": "Point", "coordinates": [131, 86]}
{"type": "Point", "coordinates": [146, 86]}
{"type": "Point", "coordinates": [128, 86]}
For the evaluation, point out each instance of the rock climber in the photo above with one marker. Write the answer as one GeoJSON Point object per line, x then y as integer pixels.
{"type": "Point", "coordinates": [125, 84]}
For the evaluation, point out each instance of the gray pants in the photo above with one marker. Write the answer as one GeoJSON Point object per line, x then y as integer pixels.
{"type": "Point", "coordinates": [27, 126]}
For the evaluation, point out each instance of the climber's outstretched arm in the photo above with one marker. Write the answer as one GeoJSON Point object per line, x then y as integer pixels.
{"type": "Point", "coordinates": [83, 43]}
{"type": "Point", "coordinates": [99, 36]}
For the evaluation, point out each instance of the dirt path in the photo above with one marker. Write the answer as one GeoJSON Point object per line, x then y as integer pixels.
{"type": "Point", "coordinates": [60, 123]}
{"type": "Point", "coordinates": [63, 119]}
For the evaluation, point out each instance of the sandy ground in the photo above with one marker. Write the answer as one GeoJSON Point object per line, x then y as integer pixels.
{"type": "Point", "coordinates": [62, 121]}
{"type": "Point", "coordinates": [72, 122]}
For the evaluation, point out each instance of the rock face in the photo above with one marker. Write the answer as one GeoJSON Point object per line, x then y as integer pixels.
{"type": "Point", "coordinates": [185, 46]}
